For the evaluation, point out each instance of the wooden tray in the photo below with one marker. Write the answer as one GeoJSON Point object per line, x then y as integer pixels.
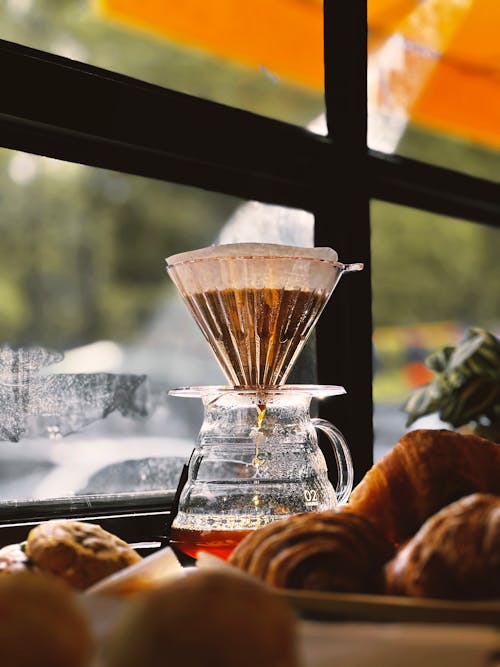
{"type": "Point", "coordinates": [385, 608]}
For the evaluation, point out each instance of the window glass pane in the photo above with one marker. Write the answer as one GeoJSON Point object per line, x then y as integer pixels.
{"type": "Point", "coordinates": [433, 278]}
{"type": "Point", "coordinates": [261, 56]}
{"type": "Point", "coordinates": [83, 274]}
{"type": "Point", "coordinates": [434, 84]}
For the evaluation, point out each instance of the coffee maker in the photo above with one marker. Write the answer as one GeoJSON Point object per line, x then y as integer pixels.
{"type": "Point", "coordinates": [257, 458]}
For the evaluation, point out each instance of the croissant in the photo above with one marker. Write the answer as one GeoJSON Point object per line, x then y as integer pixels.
{"type": "Point", "coordinates": [454, 555]}
{"type": "Point", "coordinates": [425, 471]}
{"type": "Point", "coordinates": [333, 550]}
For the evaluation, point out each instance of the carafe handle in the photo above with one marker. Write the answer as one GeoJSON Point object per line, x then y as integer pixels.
{"type": "Point", "coordinates": [342, 458]}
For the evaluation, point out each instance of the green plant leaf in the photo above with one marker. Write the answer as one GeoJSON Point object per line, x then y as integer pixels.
{"type": "Point", "coordinates": [466, 349]}
{"type": "Point", "coordinates": [466, 386]}
{"type": "Point", "coordinates": [438, 361]}
{"type": "Point", "coordinates": [423, 401]}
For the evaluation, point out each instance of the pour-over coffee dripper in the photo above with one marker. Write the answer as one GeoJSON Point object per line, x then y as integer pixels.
{"type": "Point", "coordinates": [256, 303]}
{"type": "Point", "coordinates": [257, 458]}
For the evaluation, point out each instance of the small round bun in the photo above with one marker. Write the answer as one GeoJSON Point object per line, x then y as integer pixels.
{"type": "Point", "coordinates": [80, 553]}
{"type": "Point", "coordinates": [14, 559]}
{"type": "Point", "coordinates": [42, 624]}
{"type": "Point", "coordinates": [209, 618]}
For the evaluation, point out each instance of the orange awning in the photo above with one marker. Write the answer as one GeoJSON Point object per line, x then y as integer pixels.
{"type": "Point", "coordinates": [443, 66]}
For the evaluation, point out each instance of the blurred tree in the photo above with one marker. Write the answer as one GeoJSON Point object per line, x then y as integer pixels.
{"type": "Point", "coordinates": [83, 249]}
{"type": "Point", "coordinates": [428, 267]}
{"type": "Point", "coordinates": [83, 252]}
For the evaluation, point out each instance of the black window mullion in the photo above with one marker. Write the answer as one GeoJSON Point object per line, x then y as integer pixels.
{"type": "Point", "coordinates": [344, 332]}
{"type": "Point", "coordinates": [72, 111]}
{"type": "Point", "coordinates": [407, 182]}
{"type": "Point", "coordinates": [45, 109]}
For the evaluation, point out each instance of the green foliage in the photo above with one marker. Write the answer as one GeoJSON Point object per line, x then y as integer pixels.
{"type": "Point", "coordinates": [466, 386]}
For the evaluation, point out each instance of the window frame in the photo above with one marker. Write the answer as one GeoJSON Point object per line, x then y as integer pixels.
{"type": "Point", "coordinates": [44, 110]}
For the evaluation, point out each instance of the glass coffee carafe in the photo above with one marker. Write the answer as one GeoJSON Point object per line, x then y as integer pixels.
{"type": "Point", "coordinates": [257, 461]}
{"type": "Point", "coordinates": [257, 458]}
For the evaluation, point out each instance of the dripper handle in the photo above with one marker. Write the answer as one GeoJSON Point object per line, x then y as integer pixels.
{"type": "Point", "coordinates": [355, 266]}
{"type": "Point", "coordinates": [342, 458]}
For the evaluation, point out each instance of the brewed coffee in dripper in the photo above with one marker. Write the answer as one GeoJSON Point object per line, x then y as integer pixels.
{"type": "Point", "coordinates": [256, 303]}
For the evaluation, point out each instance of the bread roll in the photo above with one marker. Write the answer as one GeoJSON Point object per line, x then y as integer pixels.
{"type": "Point", "coordinates": [208, 618]}
{"type": "Point", "coordinates": [42, 624]}
{"type": "Point", "coordinates": [14, 559]}
{"type": "Point", "coordinates": [80, 553]}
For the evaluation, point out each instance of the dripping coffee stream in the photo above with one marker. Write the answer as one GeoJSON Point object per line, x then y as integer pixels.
{"type": "Point", "coordinates": [257, 458]}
